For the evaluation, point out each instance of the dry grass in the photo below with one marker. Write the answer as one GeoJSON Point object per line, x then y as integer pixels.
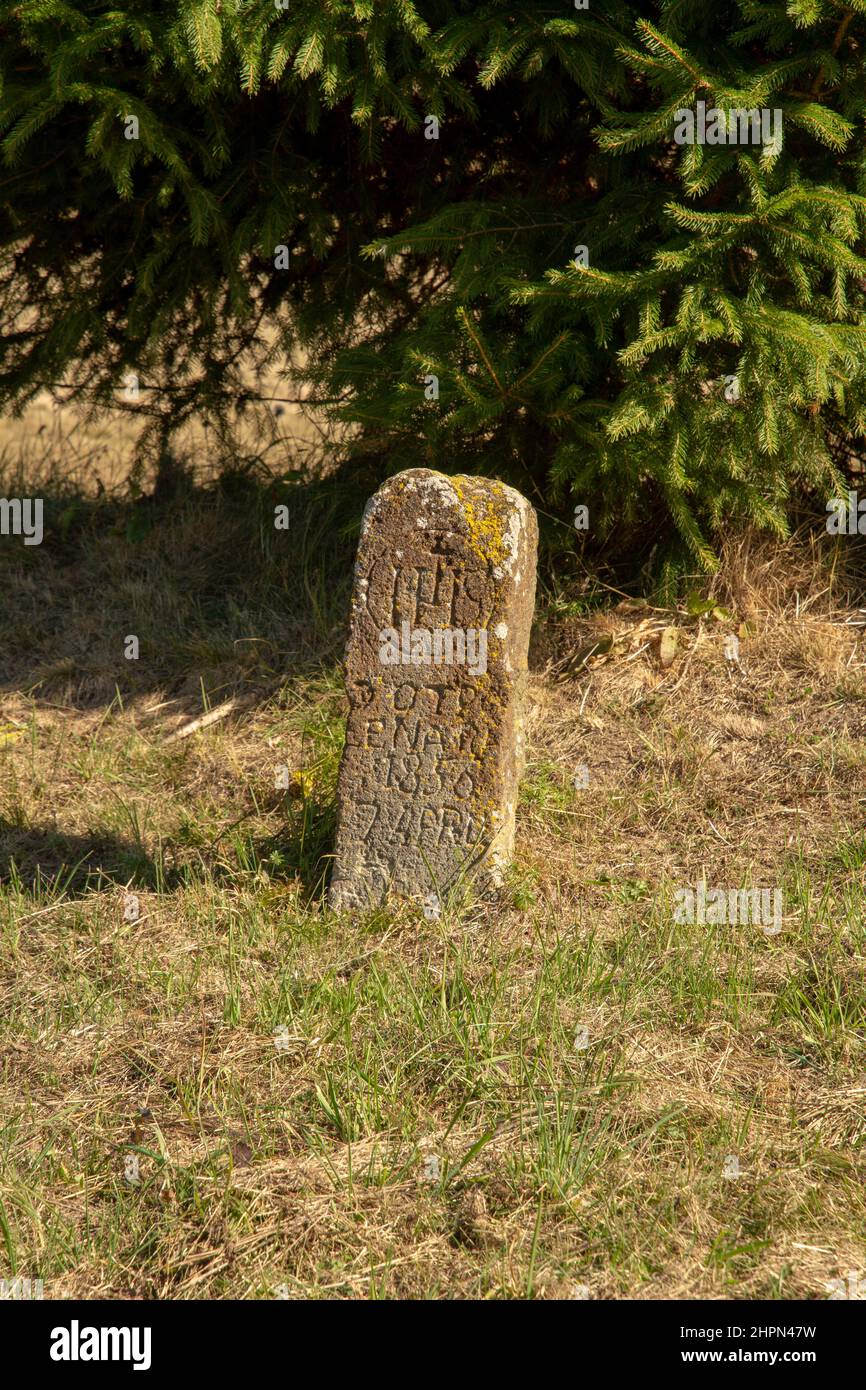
{"type": "Point", "coordinates": [518, 1100]}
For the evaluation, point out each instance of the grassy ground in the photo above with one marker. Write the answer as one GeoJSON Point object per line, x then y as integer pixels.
{"type": "Point", "coordinates": [537, 1098]}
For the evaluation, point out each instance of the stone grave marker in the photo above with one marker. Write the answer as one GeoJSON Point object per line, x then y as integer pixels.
{"type": "Point", "coordinates": [435, 674]}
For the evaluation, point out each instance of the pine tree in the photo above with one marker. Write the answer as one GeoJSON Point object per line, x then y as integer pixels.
{"type": "Point", "coordinates": [554, 290]}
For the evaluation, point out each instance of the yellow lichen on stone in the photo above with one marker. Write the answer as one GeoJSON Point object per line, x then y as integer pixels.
{"type": "Point", "coordinates": [486, 528]}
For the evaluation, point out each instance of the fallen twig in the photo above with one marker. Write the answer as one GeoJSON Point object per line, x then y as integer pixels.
{"type": "Point", "coordinates": [203, 721]}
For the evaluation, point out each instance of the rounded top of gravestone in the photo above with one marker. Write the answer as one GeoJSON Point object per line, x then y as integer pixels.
{"type": "Point", "coordinates": [485, 513]}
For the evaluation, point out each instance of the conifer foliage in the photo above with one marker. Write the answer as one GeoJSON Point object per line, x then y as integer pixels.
{"type": "Point", "coordinates": [476, 221]}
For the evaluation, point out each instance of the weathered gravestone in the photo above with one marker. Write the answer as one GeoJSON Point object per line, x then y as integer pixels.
{"type": "Point", "coordinates": [435, 673]}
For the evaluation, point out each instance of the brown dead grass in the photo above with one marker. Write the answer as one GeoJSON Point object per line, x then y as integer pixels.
{"type": "Point", "coordinates": [300, 1170]}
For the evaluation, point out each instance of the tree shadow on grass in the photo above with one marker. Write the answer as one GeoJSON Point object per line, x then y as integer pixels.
{"type": "Point", "coordinates": [47, 862]}
{"type": "Point", "coordinates": [223, 602]}
{"type": "Point", "coordinates": [303, 846]}
{"type": "Point", "coordinates": [227, 587]}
